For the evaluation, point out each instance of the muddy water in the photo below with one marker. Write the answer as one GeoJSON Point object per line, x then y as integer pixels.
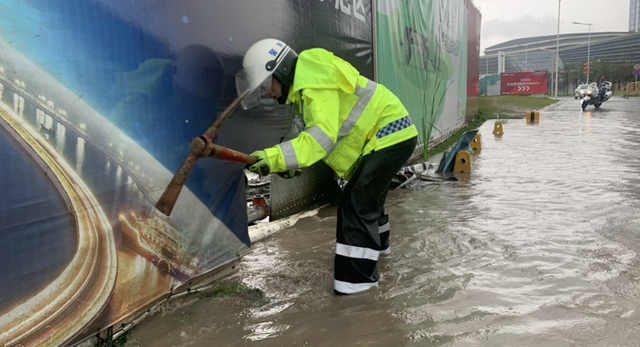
{"type": "Point", "coordinates": [536, 247]}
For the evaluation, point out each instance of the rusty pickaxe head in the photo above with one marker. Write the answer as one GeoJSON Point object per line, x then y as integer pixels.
{"type": "Point", "coordinates": [170, 196]}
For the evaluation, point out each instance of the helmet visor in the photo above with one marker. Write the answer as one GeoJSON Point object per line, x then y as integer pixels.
{"type": "Point", "coordinates": [258, 86]}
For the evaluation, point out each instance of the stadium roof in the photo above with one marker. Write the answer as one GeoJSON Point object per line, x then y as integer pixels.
{"type": "Point", "coordinates": [613, 46]}
{"type": "Point", "coordinates": [549, 42]}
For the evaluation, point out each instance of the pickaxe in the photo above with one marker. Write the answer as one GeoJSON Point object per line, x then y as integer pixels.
{"type": "Point", "coordinates": [201, 147]}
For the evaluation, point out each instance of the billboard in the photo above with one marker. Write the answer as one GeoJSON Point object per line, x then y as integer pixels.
{"type": "Point", "coordinates": [99, 101]}
{"type": "Point", "coordinates": [422, 58]}
{"type": "Point", "coordinates": [530, 82]}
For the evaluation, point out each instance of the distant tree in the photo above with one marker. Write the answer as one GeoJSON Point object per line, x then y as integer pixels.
{"type": "Point", "coordinates": [572, 76]}
{"type": "Point", "coordinates": [616, 71]}
{"type": "Point", "coordinates": [600, 67]}
{"type": "Point", "coordinates": [625, 71]}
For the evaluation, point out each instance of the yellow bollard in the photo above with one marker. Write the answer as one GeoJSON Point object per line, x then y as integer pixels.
{"type": "Point", "coordinates": [637, 87]}
{"type": "Point", "coordinates": [629, 88]}
{"type": "Point", "coordinates": [533, 117]}
{"type": "Point", "coordinates": [463, 162]}
{"type": "Point", "coordinates": [497, 129]}
{"type": "Point", "coordinates": [476, 143]}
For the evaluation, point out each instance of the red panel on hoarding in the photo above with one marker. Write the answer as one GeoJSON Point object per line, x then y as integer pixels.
{"type": "Point", "coordinates": [512, 83]}
{"type": "Point", "coordinates": [474, 19]}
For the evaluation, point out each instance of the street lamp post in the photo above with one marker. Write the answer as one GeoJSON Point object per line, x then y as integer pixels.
{"type": "Point", "coordinates": [558, 49]}
{"type": "Point", "coordinates": [588, 47]}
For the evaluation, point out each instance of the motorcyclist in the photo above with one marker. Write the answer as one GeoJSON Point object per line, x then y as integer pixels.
{"type": "Point", "coordinates": [358, 127]}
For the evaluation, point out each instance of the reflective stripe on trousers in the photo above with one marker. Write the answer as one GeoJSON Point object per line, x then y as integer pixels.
{"type": "Point", "coordinates": [383, 229]}
{"type": "Point", "coordinates": [350, 288]}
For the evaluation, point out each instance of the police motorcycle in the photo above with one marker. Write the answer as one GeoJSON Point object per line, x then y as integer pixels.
{"type": "Point", "coordinates": [596, 95]}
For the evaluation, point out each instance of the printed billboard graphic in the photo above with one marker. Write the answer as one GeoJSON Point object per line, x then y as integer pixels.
{"type": "Point", "coordinates": [531, 82]}
{"type": "Point", "coordinates": [422, 58]}
{"type": "Point", "coordinates": [99, 101]}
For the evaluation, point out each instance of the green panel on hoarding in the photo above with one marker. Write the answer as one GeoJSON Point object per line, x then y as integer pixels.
{"type": "Point", "coordinates": [421, 53]}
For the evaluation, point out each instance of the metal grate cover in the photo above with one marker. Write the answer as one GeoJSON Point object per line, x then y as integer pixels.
{"type": "Point", "coordinates": [316, 185]}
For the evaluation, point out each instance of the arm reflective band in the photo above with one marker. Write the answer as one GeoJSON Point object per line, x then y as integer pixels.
{"type": "Point", "coordinates": [289, 154]}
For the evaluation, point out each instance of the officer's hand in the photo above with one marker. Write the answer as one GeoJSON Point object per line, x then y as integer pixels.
{"type": "Point", "coordinates": [261, 166]}
{"type": "Point", "coordinates": [289, 174]}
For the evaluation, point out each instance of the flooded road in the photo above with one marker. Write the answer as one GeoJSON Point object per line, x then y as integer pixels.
{"type": "Point", "coordinates": [538, 246]}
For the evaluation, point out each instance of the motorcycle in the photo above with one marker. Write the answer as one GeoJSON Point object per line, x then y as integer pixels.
{"type": "Point", "coordinates": [596, 95]}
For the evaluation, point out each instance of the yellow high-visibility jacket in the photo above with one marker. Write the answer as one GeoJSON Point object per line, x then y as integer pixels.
{"type": "Point", "coordinates": [346, 116]}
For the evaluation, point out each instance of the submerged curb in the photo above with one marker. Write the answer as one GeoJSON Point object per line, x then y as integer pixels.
{"type": "Point", "coordinates": [259, 232]}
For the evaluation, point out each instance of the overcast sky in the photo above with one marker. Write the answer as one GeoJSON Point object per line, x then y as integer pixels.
{"type": "Point", "coordinates": [503, 20]}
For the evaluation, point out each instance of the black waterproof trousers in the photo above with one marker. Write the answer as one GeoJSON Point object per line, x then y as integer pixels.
{"type": "Point", "coordinates": [363, 227]}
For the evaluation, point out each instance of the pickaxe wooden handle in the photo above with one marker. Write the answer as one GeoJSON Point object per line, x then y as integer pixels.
{"type": "Point", "coordinates": [201, 148]}
{"type": "Point", "coordinates": [215, 151]}
{"type": "Point", "coordinates": [170, 195]}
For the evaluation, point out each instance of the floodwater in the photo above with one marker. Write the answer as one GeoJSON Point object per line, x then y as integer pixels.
{"type": "Point", "coordinates": [538, 246]}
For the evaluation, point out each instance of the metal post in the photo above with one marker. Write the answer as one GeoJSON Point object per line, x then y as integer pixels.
{"type": "Point", "coordinates": [588, 53]}
{"type": "Point", "coordinates": [374, 34]}
{"type": "Point", "coordinates": [588, 48]}
{"type": "Point", "coordinates": [557, 49]}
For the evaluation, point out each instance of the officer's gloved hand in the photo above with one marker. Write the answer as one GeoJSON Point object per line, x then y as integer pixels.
{"type": "Point", "coordinates": [289, 174]}
{"type": "Point", "coordinates": [261, 166]}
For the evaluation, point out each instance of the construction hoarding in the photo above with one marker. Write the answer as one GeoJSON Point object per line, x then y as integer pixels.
{"type": "Point", "coordinates": [99, 103]}
{"type": "Point", "coordinates": [530, 82]}
{"type": "Point", "coordinates": [489, 85]}
{"type": "Point", "coordinates": [474, 21]}
{"type": "Point", "coordinates": [422, 58]}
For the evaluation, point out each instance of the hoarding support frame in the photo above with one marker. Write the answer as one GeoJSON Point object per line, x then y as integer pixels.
{"type": "Point", "coordinates": [374, 32]}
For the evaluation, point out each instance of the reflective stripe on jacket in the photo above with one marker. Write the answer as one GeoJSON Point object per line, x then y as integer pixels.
{"type": "Point", "coordinates": [346, 116]}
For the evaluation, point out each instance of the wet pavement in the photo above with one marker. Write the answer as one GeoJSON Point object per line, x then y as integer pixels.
{"type": "Point", "coordinates": [538, 246]}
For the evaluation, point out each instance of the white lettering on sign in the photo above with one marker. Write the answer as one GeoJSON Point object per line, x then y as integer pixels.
{"type": "Point", "coordinates": [513, 84]}
{"type": "Point", "coordinates": [345, 7]}
{"type": "Point", "coordinates": [356, 11]}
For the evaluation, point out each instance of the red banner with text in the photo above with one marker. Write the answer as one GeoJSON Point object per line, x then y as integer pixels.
{"type": "Point", "coordinates": [531, 82]}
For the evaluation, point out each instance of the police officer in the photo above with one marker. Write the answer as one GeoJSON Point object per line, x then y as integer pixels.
{"type": "Point", "coordinates": [358, 127]}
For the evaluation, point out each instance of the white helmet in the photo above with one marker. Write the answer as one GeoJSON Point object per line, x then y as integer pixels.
{"type": "Point", "coordinates": [265, 58]}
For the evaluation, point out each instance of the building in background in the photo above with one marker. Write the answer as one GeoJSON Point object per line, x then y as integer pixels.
{"type": "Point", "coordinates": [535, 53]}
{"type": "Point", "coordinates": [634, 16]}
{"type": "Point", "coordinates": [612, 55]}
